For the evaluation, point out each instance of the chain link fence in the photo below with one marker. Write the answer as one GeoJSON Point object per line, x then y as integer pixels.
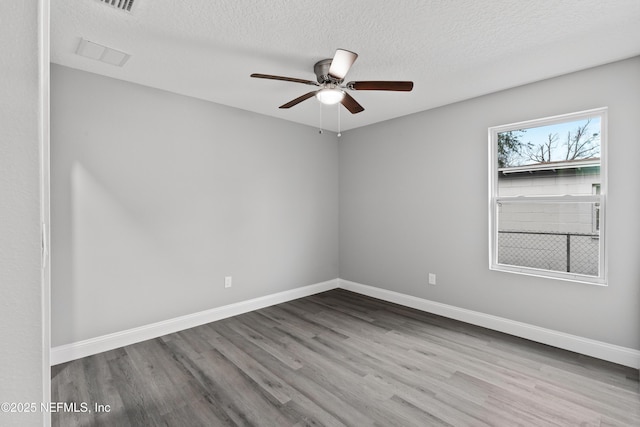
{"type": "Point", "coordinates": [571, 252]}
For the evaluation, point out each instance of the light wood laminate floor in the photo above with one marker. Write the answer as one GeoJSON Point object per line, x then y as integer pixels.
{"type": "Point", "coordinates": [339, 358]}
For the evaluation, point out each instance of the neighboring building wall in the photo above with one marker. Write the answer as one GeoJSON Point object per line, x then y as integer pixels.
{"type": "Point", "coordinates": [545, 217]}
{"type": "Point", "coordinates": [567, 181]}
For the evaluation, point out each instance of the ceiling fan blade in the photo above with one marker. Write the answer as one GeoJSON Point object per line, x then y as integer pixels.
{"type": "Point", "coordinates": [341, 63]}
{"type": "Point", "coordinates": [381, 85]}
{"type": "Point", "coordinates": [351, 104]}
{"type": "Point", "coordinates": [299, 99]}
{"type": "Point", "coordinates": [286, 79]}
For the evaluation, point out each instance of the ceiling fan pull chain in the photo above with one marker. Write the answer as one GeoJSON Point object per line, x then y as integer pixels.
{"type": "Point", "coordinates": [320, 130]}
{"type": "Point", "coordinates": [339, 133]}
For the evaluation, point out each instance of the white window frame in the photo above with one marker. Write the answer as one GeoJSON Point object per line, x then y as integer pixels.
{"type": "Point", "coordinates": [595, 213]}
{"type": "Point", "coordinates": [495, 199]}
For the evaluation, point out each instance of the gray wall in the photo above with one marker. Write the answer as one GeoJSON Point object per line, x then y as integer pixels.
{"type": "Point", "coordinates": [24, 354]}
{"type": "Point", "coordinates": [413, 200]}
{"type": "Point", "coordinates": [157, 197]}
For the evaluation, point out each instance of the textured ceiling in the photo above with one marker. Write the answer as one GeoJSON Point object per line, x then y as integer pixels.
{"type": "Point", "coordinates": [452, 50]}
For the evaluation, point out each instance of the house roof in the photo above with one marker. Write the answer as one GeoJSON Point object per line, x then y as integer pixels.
{"type": "Point", "coordinates": [552, 166]}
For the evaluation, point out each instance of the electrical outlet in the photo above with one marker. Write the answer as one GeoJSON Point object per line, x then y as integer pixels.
{"type": "Point", "coordinates": [432, 279]}
{"type": "Point", "coordinates": [228, 281]}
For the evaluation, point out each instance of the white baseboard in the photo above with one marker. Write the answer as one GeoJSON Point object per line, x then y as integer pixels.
{"type": "Point", "coordinates": [598, 349]}
{"type": "Point", "coordinates": [601, 350]}
{"type": "Point", "coordinates": [77, 350]}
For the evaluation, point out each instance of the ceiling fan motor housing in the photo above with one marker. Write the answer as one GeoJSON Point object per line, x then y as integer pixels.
{"type": "Point", "coordinates": [321, 69]}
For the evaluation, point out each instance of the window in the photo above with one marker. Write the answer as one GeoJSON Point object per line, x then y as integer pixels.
{"type": "Point", "coordinates": [547, 190]}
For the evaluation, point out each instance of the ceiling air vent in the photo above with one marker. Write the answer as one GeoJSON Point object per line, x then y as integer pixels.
{"type": "Point", "coordinates": [126, 5]}
{"type": "Point", "coordinates": [102, 53]}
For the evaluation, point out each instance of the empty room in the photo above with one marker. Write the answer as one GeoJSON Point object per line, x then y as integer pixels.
{"type": "Point", "coordinates": [294, 213]}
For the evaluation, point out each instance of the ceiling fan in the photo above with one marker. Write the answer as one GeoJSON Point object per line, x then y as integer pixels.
{"type": "Point", "coordinates": [330, 75]}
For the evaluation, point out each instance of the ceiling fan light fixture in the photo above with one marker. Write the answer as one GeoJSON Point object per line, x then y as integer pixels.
{"type": "Point", "coordinates": [330, 96]}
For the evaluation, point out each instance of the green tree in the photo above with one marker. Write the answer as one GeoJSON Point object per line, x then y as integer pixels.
{"type": "Point", "coordinates": [510, 148]}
